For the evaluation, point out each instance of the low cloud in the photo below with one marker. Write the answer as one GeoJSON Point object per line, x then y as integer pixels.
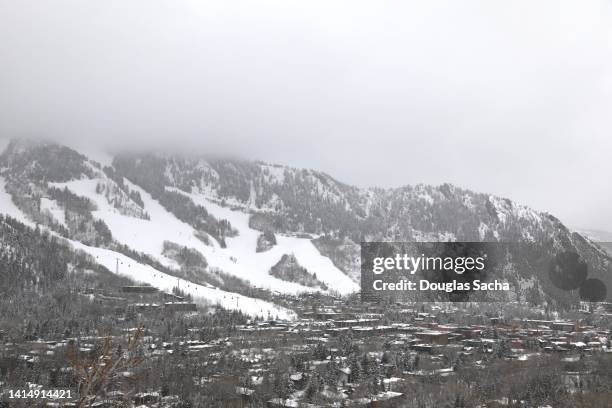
{"type": "Point", "coordinates": [511, 98]}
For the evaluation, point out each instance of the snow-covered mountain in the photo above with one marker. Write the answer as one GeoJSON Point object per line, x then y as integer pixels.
{"type": "Point", "coordinates": [223, 225]}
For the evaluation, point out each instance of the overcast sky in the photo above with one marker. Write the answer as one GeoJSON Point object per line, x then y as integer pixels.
{"type": "Point", "coordinates": [508, 97]}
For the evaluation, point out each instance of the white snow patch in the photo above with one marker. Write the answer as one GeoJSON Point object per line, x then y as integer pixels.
{"type": "Point", "coordinates": [9, 208]}
{"type": "Point", "coordinates": [426, 197]}
{"type": "Point", "coordinates": [500, 209]}
{"type": "Point", "coordinates": [527, 236]}
{"type": "Point", "coordinates": [467, 201]}
{"type": "Point", "coordinates": [54, 209]}
{"type": "Point", "coordinates": [482, 230]}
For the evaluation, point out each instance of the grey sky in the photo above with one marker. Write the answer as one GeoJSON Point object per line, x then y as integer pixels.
{"type": "Point", "coordinates": [508, 97]}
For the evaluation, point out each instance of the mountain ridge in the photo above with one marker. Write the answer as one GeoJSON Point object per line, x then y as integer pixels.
{"type": "Point", "coordinates": [315, 216]}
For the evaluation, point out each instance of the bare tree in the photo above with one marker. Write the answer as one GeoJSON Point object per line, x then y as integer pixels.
{"type": "Point", "coordinates": [95, 374]}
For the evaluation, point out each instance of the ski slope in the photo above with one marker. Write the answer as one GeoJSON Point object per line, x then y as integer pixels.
{"type": "Point", "coordinates": [201, 294]}
{"type": "Point", "coordinates": [243, 247]}
{"type": "Point", "coordinates": [7, 207]}
{"type": "Point", "coordinates": [239, 258]}
{"type": "Point", "coordinates": [149, 275]}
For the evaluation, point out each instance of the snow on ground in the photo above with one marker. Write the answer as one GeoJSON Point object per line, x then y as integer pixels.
{"type": "Point", "coordinates": [500, 208]}
{"type": "Point", "coordinates": [54, 209]}
{"type": "Point", "coordinates": [425, 196]}
{"type": "Point", "coordinates": [482, 230]}
{"type": "Point", "coordinates": [9, 208]}
{"type": "Point", "coordinates": [201, 294]}
{"type": "Point", "coordinates": [239, 258]}
{"type": "Point", "coordinates": [243, 246]}
{"type": "Point", "coordinates": [141, 235]}
{"type": "Point", "coordinates": [147, 274]}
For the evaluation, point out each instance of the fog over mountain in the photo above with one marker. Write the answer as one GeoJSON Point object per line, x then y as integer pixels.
{"type": "Point", "coordinates": [511, 98]}
{"type": "Point", "coordinates": [284, 203]}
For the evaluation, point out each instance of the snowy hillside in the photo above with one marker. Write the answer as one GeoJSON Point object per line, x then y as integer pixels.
{"type": "Point", "coordinates": [238, 219]}
{"type": "Point", "coordinates": [146, 274]}
{"type": "Point", "coordinates": [7, 207]}
{"type": "Point", "coordinates": [200, 293]}
{"type": "Point", "coordinates": [239, 258]}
